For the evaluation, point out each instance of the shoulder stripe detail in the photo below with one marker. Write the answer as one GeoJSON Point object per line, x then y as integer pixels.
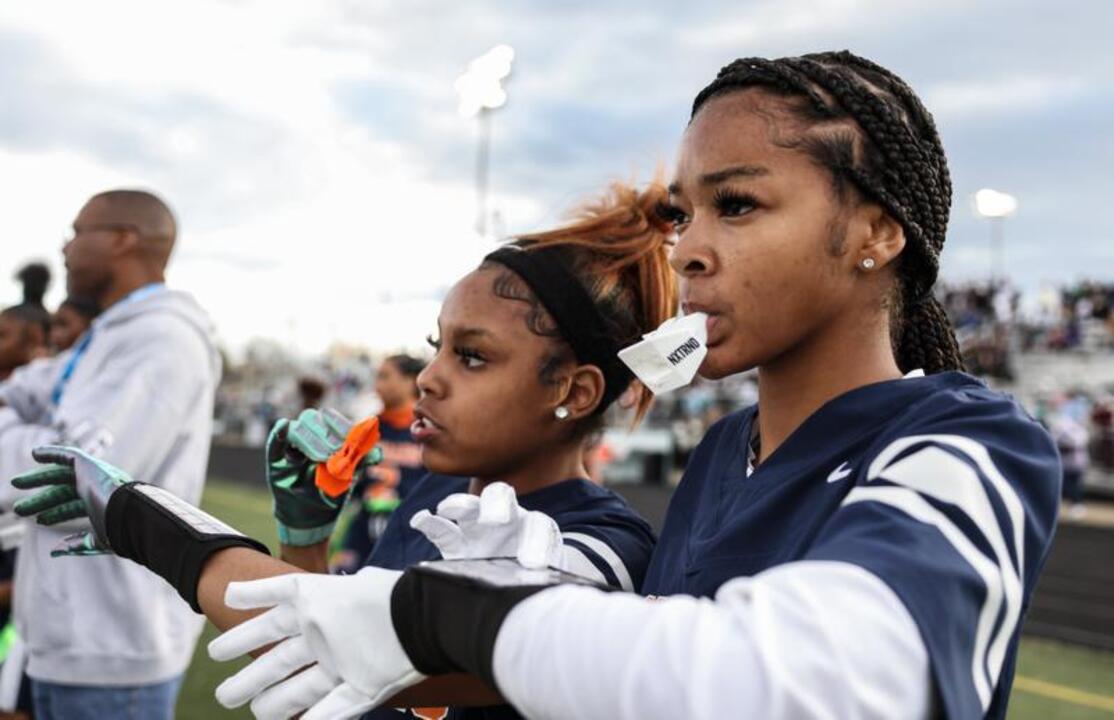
{"type": "Point", "coordinates": [607, 554]}
{"type": "Point", "coordinates": [576, 562]}
{"type": "Point", "coordinates": [977, 452]}
{"type": "Point", "coordinates": [601, 566]}
{"type": "Point", "coordinates": [938, 474]}
{"type": "Point", "coordinates": [919, 509]}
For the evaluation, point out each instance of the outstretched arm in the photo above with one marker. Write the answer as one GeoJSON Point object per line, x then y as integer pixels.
{"type": "Point", "coordinates": [195, 552]}
{"type": "Point", "coordinates": [806, 640]}
{"type": "Point", "coordinates": [232, 565]}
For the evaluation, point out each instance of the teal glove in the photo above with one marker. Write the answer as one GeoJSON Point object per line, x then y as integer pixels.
{"type": "Point", "coordinates": [76, 485]}
{"type": "Point", "coordinates": [304, 514]}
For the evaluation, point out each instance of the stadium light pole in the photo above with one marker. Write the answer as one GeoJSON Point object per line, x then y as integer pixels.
{"type": "Point", "coordinates": [996, 206]}
{"type": "Point", "coordinates": [481, 92]}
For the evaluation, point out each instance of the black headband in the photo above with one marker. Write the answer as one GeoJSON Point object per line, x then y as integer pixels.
{"type": "Point", "coordinates": [576, 315]}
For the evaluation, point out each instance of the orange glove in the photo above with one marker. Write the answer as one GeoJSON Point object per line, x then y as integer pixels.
{"type": "Point", "coordinates": [334, 476]}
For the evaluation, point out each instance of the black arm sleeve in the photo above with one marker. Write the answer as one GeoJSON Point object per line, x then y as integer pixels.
{"type": "Point", "coordinates": [449, 621]}
{"type": "Point", "coordinates": [168, 536]}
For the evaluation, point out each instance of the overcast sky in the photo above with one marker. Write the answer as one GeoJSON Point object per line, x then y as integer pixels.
{"type": "Point", "coordinates": [324, 182]}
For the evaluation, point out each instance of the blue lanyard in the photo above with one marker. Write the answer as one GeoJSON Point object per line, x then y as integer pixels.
{"type": "Point", "coordinates": [83, 344]}
{"type": "Point", "coordinates": [60, 386]}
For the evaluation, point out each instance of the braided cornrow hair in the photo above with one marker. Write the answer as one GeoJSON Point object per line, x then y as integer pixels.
{"type": "Point", "coordinates": [891, 155]}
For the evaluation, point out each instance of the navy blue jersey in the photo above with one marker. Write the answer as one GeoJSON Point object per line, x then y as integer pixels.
{"type": "Point", "coordinates": [944, 489]}
{"type": "Point", "coordinates": [594, 520]}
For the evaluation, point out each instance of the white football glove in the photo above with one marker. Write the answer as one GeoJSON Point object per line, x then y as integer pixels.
{"type": "Point", "coordinates": [492, 525]}
{"type": "Point", "coordinates": [341, 622]}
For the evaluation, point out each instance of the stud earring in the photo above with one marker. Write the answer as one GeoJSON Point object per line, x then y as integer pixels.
{"type": "Point", "coordinates": [867, 263]}
{"type": "Point", "coordinates": [561, 413]}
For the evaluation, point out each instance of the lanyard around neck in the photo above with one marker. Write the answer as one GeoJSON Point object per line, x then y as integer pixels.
{"type": "Point", "coordinates": [87, 338]}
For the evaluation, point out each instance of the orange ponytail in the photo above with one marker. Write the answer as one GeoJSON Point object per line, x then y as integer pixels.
{"type": "Point", "coordinates": [619, 248]}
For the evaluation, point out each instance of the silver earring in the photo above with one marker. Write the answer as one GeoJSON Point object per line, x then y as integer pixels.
{"type": "Point", "coordinates": [561, 413]}
{"type": "Point", "coordinates": [867, 263]}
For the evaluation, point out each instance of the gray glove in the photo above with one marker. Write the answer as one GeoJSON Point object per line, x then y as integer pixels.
{"type": "Point", "coordinates": [75, 484]}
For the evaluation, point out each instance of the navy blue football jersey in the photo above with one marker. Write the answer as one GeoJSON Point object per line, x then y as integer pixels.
{"type": "Point", "coordinates": [944, 489]}
{"type": "Point", "coordinates": [606, 531]}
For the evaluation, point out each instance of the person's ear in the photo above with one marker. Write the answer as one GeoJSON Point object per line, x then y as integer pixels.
{"type": "Point", "coordinates": [583, 392]}
{"type": "Point", "coordinates": [124, 242]}
{"type": "Point", "coordinates": [875, 238]}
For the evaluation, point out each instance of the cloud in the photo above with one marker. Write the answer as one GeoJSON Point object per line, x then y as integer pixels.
{"type": "Point", "coordinates": [292, 211]}
{"type": "Point", "coordinates": [774, 22]}
{"type": "Point", "coordinates": [313, 153]}
{"type": "Point", "coordinates": [991, 97]}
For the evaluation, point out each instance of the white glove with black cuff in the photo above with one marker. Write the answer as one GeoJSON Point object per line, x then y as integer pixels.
{"type": "Point", "coordinates": [341, 623]}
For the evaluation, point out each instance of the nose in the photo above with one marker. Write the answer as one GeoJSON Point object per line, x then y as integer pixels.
{"type": "Point", "coordinates": [430, 381]}
{"type": "Point", "coordinates": [692, 255]}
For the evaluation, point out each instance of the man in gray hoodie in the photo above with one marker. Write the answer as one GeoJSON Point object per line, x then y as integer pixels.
{"type": "Point", "coordinates": [105, 637]}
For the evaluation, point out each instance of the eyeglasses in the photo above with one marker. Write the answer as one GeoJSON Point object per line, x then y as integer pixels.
{"type": "Point", "coordinates": [99, 227]}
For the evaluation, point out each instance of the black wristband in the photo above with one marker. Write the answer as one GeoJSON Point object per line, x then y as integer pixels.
{"type": "Point", "coordinates": [168, 536]}
{"type": "Point", "coordinates": [447, 621]}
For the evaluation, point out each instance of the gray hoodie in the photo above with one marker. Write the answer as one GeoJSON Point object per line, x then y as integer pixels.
{"type": "Point", "coordinates": [141, 397]}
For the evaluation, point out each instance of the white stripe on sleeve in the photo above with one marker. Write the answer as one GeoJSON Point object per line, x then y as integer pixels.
{"type": "Point", "coordinates": [578, 563]}
{"type": "Point", "coordinates": [981, 456]}
{"type": "Point", "coordinates": [609, 556]}
{"type": "Point", "coordinates": [937, 474]}
{"type": "Point", "coordinates": [919, 509]}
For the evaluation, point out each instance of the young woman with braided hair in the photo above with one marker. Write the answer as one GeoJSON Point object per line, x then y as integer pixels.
{"type": "Point", "coordinates": [863, 543]}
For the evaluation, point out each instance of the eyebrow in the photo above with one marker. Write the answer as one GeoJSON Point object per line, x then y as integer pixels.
{"type": "Point", "coordinates": [718, 176]}
{"type": "Point", "coordinates": [470, 333]}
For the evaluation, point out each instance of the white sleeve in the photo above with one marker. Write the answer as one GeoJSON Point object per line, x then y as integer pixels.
{"type": "Point", "coordinates": [811, 639]}
{"type": "Point", "coordinates": [28, 389]}
{"type": "Point", "coordinates": [9, 418]}
{"type": "Point", "coordinates": [130, 414]}
{"type": "Point", "coordinates": [17, 439]}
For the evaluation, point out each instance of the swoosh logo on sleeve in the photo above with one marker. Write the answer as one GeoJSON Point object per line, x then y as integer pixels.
{"type": "Point", "coordinates": [841, 472]}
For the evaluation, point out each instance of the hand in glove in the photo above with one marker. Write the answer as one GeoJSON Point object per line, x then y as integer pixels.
{"type": "Point", "coordinates": [490, 526]}
{"type": "Point", "coordinates": [74, 485]}
{"type": "Point", "coordinates": [343, 623]}
{"type": "Point", "coordinates": [137, 521]}
{"type": "Point", "coordinates": [368, 633]}
{"type": "Point", "coordinates": [300, 455]}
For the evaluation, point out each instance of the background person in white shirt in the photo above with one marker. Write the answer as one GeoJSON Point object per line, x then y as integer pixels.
{"type": "Point", "coordinates": [105, 638]}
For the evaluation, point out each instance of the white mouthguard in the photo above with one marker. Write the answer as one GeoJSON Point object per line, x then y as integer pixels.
{"type": "Point", "coordinates": [669, 357]}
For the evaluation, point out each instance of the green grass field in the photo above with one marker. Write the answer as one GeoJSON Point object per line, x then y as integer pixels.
{"type": "Point", "coordinates": [250, 512]}
{"type": "Point", "coordinates": [1054, 681]}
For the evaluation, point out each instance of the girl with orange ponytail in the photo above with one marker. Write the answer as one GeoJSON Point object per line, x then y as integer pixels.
{"type": "Point", "coordinates": [525, 367]}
